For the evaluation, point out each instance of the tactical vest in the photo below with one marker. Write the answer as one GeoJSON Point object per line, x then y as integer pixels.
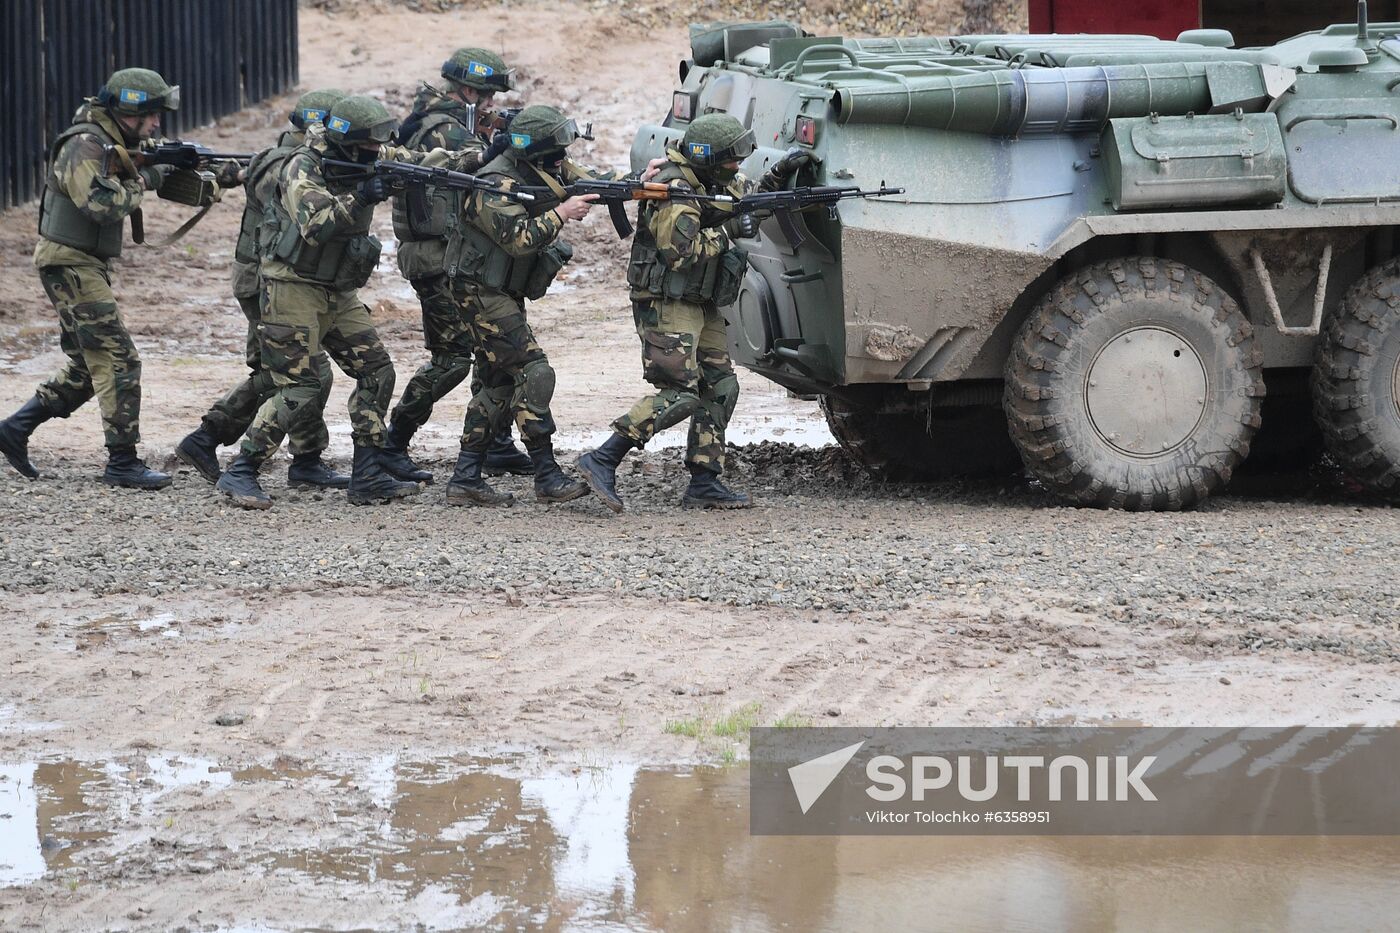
{"type": "Point", "coordinates": [476, 256]}
{"type": "Point", "coordinates": [343, 262]}
{"type": "Point", "coordinates": [59, 217]}
{"type": "Point", "coordinates": [269, 161]}
{"type": "Point", "coordinates": [715, 280]}
{"type": "Point", "coordinates": [444, 205]}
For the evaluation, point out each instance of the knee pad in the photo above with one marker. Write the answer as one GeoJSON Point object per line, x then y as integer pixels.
{"type": "Point", "coordinates": [721, 397]}
{"type": "Point", "coordinates": [538, 384]}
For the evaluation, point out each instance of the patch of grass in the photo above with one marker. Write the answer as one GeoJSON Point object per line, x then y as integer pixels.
{"type": "Point", "coordinates": [690, 728]}
{"type": "Point", "coordinates": [728, 756]}
{"type": "Point", "coordinates": [738, 723]}
{"type": "Point", "coordinates": [792, 721]}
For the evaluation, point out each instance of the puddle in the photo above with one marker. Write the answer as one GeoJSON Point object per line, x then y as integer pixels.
{"type": "Point", "coordinates": [473, 842]}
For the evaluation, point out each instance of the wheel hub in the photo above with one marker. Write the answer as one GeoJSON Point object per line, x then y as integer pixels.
{"type": "Point", "coordinates": [1395, 387]}
{"type": "Point", "coordinates": [1146, 391]}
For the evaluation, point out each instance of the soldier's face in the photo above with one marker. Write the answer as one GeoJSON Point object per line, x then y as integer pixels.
{"type": "Point", "coordinates": [482, 99]}
{"type": "Point", "coordinates": [145, 126]}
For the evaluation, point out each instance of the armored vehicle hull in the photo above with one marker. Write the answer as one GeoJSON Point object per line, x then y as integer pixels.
{"type": "Point", "coordinates": [1126, 263]}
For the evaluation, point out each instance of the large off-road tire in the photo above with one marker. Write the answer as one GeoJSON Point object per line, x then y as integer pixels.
{"type": "Point", "coordinates": [1356, 380]}
{"type": "Point", "coordinates": [1134, 384]}
{"type": "Point", "coordinates": [918, 447]}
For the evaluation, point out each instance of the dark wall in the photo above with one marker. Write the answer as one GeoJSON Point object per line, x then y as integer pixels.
{"type": "Point", "coordinates": [224, 54]}
{"type": "Point", "coordinates": [1264, 22]}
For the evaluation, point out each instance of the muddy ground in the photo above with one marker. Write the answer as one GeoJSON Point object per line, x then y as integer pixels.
{"type": "Point", "coordinates": [355, 655]}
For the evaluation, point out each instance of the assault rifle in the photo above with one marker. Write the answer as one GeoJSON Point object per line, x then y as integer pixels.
{"type": "Point", "coordinates": [615, 194]}
{"type": "Point", "coordinates": [784, 203]}
{"type": "Point", "coordinates": [498, 120]}
{"type": "Point", "coordinates": [413, 181]}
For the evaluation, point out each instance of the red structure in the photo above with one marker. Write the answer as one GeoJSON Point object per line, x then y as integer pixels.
{"type": "Point", "coordinates": [1165, 19]}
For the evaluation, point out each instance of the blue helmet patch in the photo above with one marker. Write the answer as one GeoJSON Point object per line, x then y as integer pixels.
{"type": "Point", "coordinates": [480, 69]}
{"type": "Point", "coordinates": [339, 124]}
{"type": "Point", "coordinates": [131, 95]}
{"type": "Point", "coordinates": [312, 115]}
{"type": "Point", "coordinates": [699, 150]}
{"type": "Point", "coordinates": [520, 140]}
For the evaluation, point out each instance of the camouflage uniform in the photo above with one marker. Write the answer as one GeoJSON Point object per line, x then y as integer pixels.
{"type": "Point", "coordinates": [519, 379]}
{"type": "Point", "coordinates": [304, 313]}
{"type": "Point", "coordinates": [685, 349]}
{"type": "Point", "coordinates": [231, 416]}
{"type": "Point", "coordinates": [102, 360]}
{"type": "Point", "coordinates": [438, 122]}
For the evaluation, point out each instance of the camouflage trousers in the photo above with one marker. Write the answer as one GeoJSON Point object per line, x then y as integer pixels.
{"type": "Point", "coordinates": [231, 415]}
{"type": "Point", "coordinates": [102, 360]}
{"type": "Point", "coordinates": [299, 321]}
{"type": "Point", "coordinates": [685, 354]}
{"type": "Point", "coordinates": [449, 342]}
{"type": "Point", "coordinates": [515, 375]}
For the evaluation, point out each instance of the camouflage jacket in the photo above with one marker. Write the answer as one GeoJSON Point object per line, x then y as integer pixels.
{"type": "Point", "coordinates": [321, 211]}
{"type": "Point", "coordinates": [437, 122]}
{"type": "Point", "coordinates": [519, 230]}
{"type": "Point", "coordinates": [76, 172]}
{"type": "Point", "coordinates": [681, 236]}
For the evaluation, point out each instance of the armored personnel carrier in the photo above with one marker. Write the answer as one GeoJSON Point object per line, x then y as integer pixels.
{"type": "Point", "coordinates": [1128, 263]}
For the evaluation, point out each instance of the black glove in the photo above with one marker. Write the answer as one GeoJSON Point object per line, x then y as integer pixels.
{"type": "Point", "coordinates": [154, 175]}
{"type": "Point", "coordinates": [372, 190]}
{"type": "Point", "coordinates": [790, 164]}
{"type": "Point", "coordinates": [500, 142]}
{"type": "Point", "coordinates": [229, 175]}
{"type": "Point", "coordinates": [743, 227]}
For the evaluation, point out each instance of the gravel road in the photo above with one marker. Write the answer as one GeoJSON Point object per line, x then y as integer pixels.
{"type": "Point", "coordinates": [1313, 571]}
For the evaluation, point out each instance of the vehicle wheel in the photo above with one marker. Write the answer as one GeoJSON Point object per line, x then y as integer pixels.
{"type": "Point", "coordinates": [913, 447]}
{"type": "Point", "coordinates": [1356, 380]}
{"type": "Point", "coordinates": [1134, 384]}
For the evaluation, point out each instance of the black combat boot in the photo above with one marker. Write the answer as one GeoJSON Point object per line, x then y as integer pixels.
{"type": "Point", "coordinates": [599, 469]}
{"type": "Point", "coordinates": [551, 485]}
{"type": "Point", "coordinates": [504, 457]}
{"type": "Point", "coordinates": [466, 487]}
{"type": "Point", "coordinates": [371, 482]}
{"type": "Point", "coordinates": [707, 492]}
{"type": "Point", "coordinates": [394, 455]}
{"type": "Point", "coordinates": [124, 468]}
{"type": "Point", "coordinates": [200, 449]}
{"type": "Point", "coordinates": [309, 470]}
{"type": "Point", "coordinates": [240, 483]}
{"type": "Point", "coordinates": [15, 431]}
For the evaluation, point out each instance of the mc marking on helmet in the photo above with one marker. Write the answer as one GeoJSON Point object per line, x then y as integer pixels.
{"type": "Point", "coordinates": [339, 124]}
{"type": "Point", "coordinates": [480, 69]}
{"type": "Point", "coordinates": [312, 115]}
{"type": "Point", "coordinates": [520, 140]}
{"type": "Point", "coordinates": [133, 96]}
{"type": "Point", "coordinates": [700, 150]}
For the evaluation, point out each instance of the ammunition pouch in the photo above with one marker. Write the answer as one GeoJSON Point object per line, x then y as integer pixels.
{"type": "Point", "coordinates": [545, 269]}
{"type": "Point", "coordinates": [733, 263]}
{"type": "Point", "coordinates": [715, 280]}
{"type": "Point", "coordinates": [422, 213]}
{"type": "Point", "coordinates": [342, 263]}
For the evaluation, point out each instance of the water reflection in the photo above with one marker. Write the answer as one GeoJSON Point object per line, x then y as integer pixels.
{"type": "Point", "coordinates": [487, 842]}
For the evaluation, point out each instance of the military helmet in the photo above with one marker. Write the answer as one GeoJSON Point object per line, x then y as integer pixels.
{"type": "Point", "coordinates": [716, 138]}
{"type": "Point", "coordinates": [539, 129]}
{"type": "Point", "coordinates": [480, 69]}
{"type": "Point", "coordinates": [313, 106]}
{"type": "Point", "coordinates": [138, 91]}
{"type": "Point", "coordinates": [359, 119]}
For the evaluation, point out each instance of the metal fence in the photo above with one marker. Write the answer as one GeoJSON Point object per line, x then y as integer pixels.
{"type": "Point", "coordinates": [224, 54]}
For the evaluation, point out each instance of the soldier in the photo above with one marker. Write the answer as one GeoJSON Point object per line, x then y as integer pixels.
{"type": "Point", "coordinates": [88, 192]}
{"type": "Point", "coordinates": [448, 118]}
{"type": "Point", "coordinates": [683, 268]}
{"type": "Point", "coordinates": [316, 252]}
{"type": "Point", "coordinates": [226, 421]}
{"type": "Point", "coordinates": [508, 252]}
